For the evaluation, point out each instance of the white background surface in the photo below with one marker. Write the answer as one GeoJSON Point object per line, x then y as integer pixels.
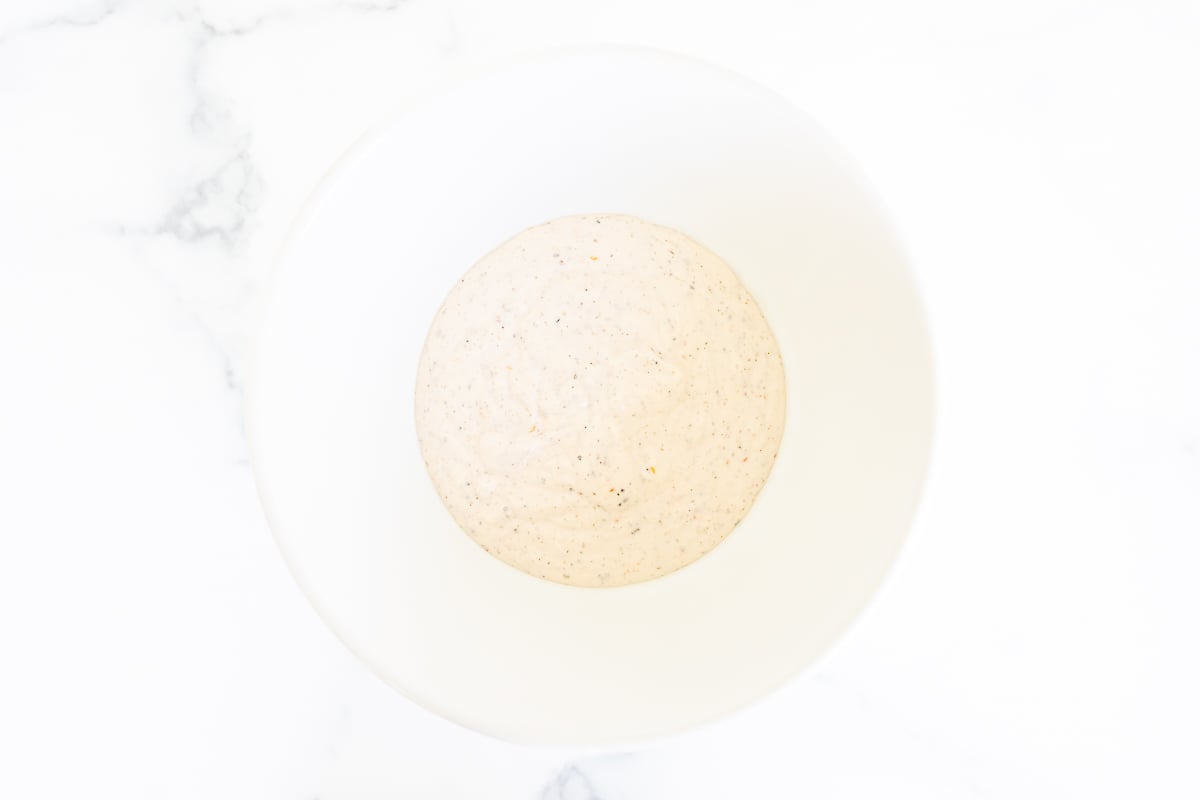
{"type": "Point", "coordinates": [1036, 639]}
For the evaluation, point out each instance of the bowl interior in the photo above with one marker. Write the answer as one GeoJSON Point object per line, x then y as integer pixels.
{"type": "Point", "coordinates": [330, 405]}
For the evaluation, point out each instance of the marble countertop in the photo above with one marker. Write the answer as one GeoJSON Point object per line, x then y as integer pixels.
{"type": "Point", "coordinates": [1037, 637]}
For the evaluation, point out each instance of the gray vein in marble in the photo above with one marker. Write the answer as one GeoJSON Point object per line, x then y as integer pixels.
{"type": "Point", "coordinates": [209, 111]}
{"type": "Point", "coordinates": [212, 31]}
{"type": "Point", "coordinates": [368, 6]}
{"type": "Point", "coordinates": [570, 784]}
{"type": "Point", "coordinates": [219, 207]}
{"type": "Point", "coordinates": [62, 21]}
{"type": "Point", "coordinates": [222, 207]}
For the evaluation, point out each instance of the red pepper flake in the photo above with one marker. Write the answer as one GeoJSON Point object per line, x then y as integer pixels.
{"type": "Point", "coordinates": [744, 460]}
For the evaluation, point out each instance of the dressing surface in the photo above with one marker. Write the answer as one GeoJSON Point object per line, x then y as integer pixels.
{"type": "Point", "coordinates": [599, 401]}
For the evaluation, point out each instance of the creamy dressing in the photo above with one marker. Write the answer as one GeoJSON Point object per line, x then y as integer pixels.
{"type": "Point", "coordinates": [599, 401]}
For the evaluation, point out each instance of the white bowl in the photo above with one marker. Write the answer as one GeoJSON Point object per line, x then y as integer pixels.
{"type": "Point", "coordinates": [330, 406]}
